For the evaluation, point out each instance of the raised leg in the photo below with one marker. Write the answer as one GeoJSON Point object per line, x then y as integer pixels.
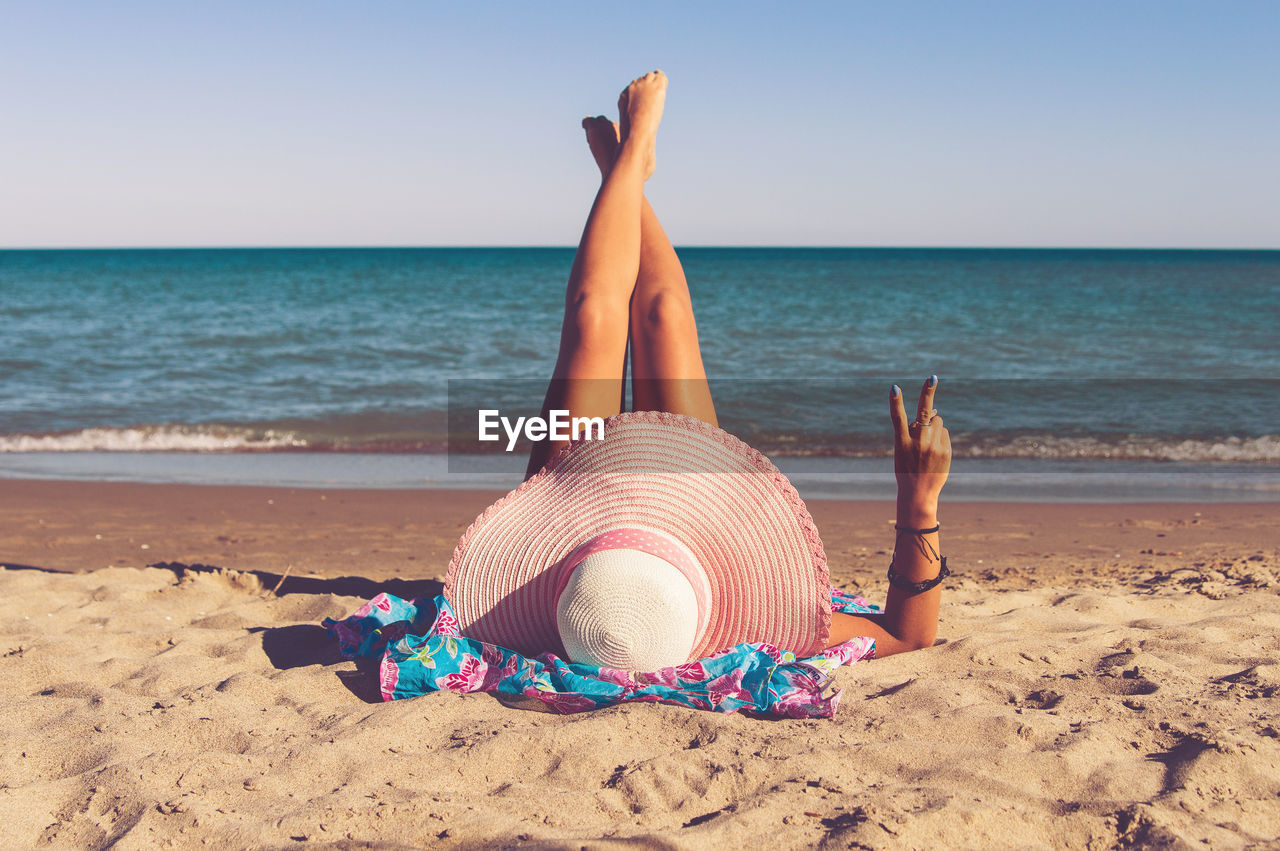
{"type": "Point", "coordinates": [667, 370]}
{"type": "Point", "coordinates": [593, 337]}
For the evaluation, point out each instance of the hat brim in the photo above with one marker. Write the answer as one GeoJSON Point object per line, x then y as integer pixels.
{"type": "Point", "coordinates": [738, 514]}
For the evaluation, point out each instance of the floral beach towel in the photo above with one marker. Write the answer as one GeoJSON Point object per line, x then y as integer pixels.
{"type": "Point", "coordinates": [420, 649]}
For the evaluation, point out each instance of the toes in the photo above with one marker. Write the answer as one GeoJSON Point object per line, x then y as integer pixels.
{"type": "Point", "coordinates": [653, 78]}
{"type": "Point", "coordinates": [599, 126]}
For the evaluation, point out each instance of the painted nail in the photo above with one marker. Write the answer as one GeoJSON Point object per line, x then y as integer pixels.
{"type": "Point", "coordinates": [933, 380]}
{"type": "Point", "coordinates": [894, 391]}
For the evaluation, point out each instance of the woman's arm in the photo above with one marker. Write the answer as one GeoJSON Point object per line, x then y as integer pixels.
{"type": "Point", "coordinates": [921, 462]}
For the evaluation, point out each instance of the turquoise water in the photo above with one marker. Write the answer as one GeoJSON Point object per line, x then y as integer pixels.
{"type": "Point", "coordinates": [1052, 355]}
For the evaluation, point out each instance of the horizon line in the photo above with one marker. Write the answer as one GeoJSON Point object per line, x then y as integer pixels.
{"type": "Point", "coordinates": [401, 247]}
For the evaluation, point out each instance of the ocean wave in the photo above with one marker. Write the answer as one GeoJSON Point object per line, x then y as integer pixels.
{"type": "Point", "coordinates": [158, 438]}
{"type": "Point", "coordinates": [1265, 449]}
{"type": "Point", "coordinates": [384, 437]}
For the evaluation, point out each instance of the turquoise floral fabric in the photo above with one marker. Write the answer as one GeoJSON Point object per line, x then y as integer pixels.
{"type": "Point", "coordinates": [419, 649]}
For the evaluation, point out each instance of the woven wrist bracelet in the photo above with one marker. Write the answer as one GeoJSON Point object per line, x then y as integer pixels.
{"type": "Point", "coordinates": [935, 528]}
{"type": "Point", "coordinates": [918, 587]}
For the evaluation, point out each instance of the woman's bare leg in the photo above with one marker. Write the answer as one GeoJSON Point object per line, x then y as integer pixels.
{"type": "Point", "coordinates": [667, 371]}
{"type": "Point", "coordinates": [593, 337]}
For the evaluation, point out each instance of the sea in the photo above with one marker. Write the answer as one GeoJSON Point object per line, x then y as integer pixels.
{"type": "Point", "coordinates": [1064, 375]}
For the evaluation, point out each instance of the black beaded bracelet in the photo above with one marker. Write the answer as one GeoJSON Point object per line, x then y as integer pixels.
{"type": "Point", "coordinates": [918, 587]}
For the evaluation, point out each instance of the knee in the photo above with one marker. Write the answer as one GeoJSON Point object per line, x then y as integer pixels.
{"type": "Point", "coordinates": [596, 320]}
{"type": "Point", "coordinates": [666, 313]}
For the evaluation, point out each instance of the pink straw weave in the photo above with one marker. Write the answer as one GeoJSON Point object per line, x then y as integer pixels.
{"type": "Point", "coordinates": [735, 511]}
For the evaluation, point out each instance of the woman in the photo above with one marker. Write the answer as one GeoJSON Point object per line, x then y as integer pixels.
{"type": "Point", "coordinates": [616, 577]}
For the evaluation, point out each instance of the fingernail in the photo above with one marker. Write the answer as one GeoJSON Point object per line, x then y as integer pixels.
{"type": "Point", "coordinates": [894, 391]}
{"type": "Point", "coordinates": [933, 379]}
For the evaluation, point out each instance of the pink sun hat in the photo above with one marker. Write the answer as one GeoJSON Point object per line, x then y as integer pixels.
{"type": "Point", "coordinates": [665, 541]}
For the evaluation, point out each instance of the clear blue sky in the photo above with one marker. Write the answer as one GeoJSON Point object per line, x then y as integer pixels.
{"type": "Point", "coordinates": [851, 123]}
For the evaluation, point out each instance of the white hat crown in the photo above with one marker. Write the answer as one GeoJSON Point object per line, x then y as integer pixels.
{"type": "Point", "coordinates": [632, 609]}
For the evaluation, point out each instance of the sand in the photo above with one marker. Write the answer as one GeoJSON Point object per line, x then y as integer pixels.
{"type": "Point", "coordinates": [1106, 675]}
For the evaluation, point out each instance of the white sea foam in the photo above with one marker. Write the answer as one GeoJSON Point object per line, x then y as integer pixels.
{"type": "Point", "coordinates": [159, 438]}
{"type": "Point", "coordinates": [215, 438]}
{"type": "Point", "coordinates": [1265, 448]}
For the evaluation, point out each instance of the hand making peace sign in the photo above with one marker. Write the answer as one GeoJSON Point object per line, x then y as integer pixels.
{"type": "Point", "coordinates": [921, 448]}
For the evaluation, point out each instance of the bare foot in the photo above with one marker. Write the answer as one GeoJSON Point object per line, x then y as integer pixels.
{"type": "Point", "coordinates": [640, 112]}
{"type": "Point", "coordinates": [603, 137]}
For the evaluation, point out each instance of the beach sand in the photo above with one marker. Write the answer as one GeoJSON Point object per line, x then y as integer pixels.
{"type": "Point", "coordinates": [1106, 675]}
